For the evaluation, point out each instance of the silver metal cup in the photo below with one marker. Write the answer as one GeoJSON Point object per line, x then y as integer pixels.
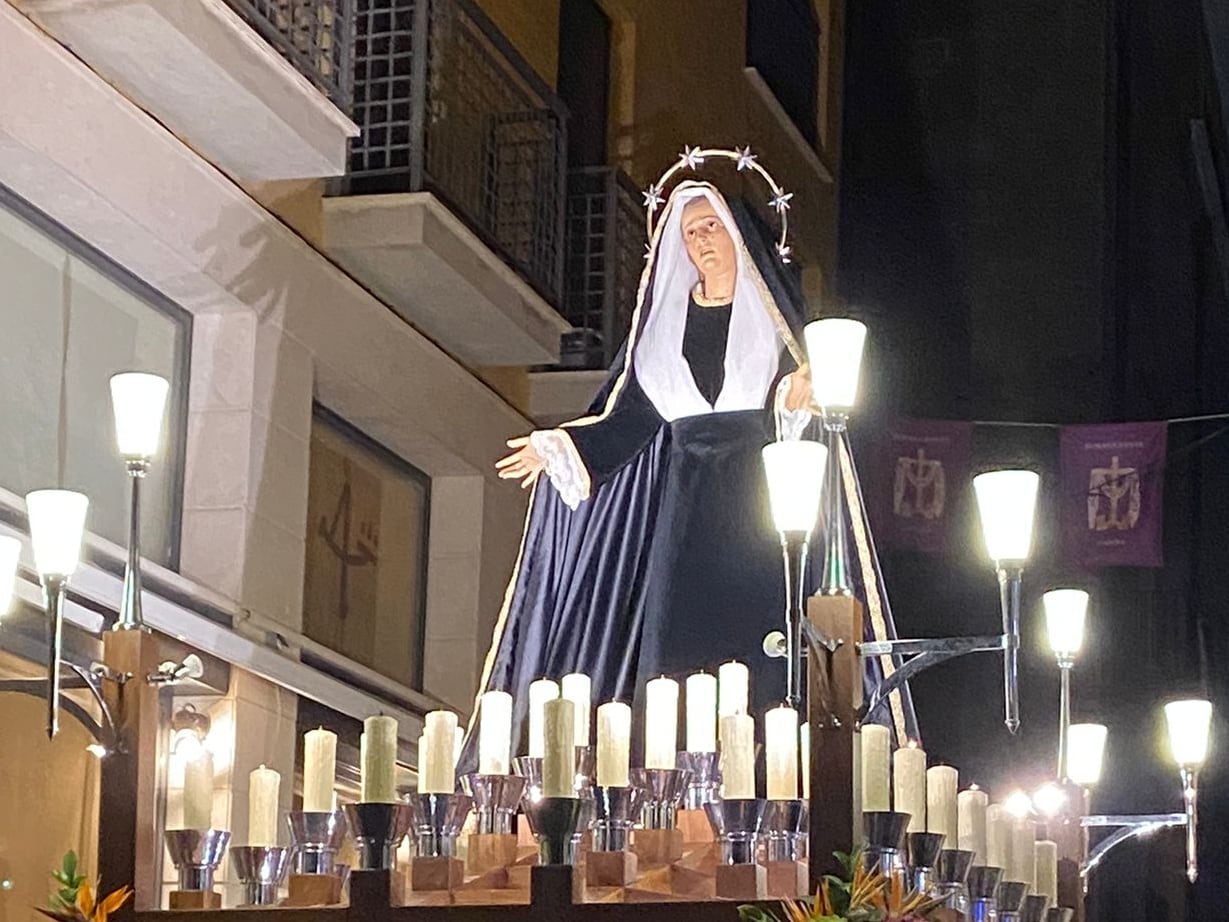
{"type": "Point", "coordinates": [784, 830]}
{"type": "Point", "coordinates": [1034, 908]}
{"type": "Point", "coordinates": [1059, 914]}
{"type": "Point", "coordinates": [615, 812]}
{"type": "Point", "coordinates": [1010, 898]}
{"type": "Point", "coordinates": [923, 850]}
{"type": "Point", "coordinates": [952, 870]}
{"type": "Point", "coordinates": [196, 854]}
{"type": "Point", "coordinates": [315, 839]}
{"type": "Point", "coordinates": [378, 829]}
{"type": "Point", "coordinates": [737, 825]}
{"type": "Point", "coordinates": [261, 869]}
{"type": "Point", "coordinates": [983, 883]}
{"type": "Point", "coordinates": [555, 822]}
{"type": "Point", "coordinates": [705, 785]}
{"type": "Point", "coordinates": [663, 793]}
{"type": "Point", "coordinates": [885, 831]}
{"type": "Point", "coordinates": [529, 768]}
{"type": "Point", "coordinates": [436, 821]}
{"type": "Point", "coordinates": [496, 799]}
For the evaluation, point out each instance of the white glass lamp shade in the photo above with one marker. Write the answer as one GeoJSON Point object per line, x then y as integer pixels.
{"type": "Point", "coordinates": [10, 553]}
{"type": "Point", "coordinates": [138, 401]}
{"type": "Point", "coordinates": [1006, 501]}
{"type": "Point", "coordinates": [1065, 610]}
{"type": "Point", "coordinates": [1190, 723]}
{"type": "Point", "coordinates": [834, 350]}
{"type": "Point", "coordinates": [57, 525]}
{"type": "Point", "coordinates": [1086, 753]}
{"type": "Point", "coordinates": [795, 472]}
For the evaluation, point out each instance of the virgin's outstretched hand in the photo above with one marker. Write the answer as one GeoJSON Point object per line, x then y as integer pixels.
{"type": "Point", "coordinates": [523, 464]}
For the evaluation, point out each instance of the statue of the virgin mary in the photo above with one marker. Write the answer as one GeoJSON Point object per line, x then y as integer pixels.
{"type": "Point", "coordinates": [649, 547]}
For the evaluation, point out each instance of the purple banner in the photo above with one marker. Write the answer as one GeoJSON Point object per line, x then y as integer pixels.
{"type": "Point", "coordinates": [922, 465]}
{"type": "Point", "coordinates": [1113, 478]}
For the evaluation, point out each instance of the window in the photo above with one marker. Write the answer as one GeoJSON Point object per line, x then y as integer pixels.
{"type": "Point", "coordinates": [70, 320]}
{"type": "Point", "coordinates": [783, 45]}
{"type": "Point", "coordinates": [365, 588]}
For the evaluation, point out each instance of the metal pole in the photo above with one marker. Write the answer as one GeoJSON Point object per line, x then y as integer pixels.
{"type": "Point", "coordinates": [1064, 714]}
{"type": "Point", "coordinates": [130, 617]}
{"type": "Point", "coordinates": [53, 593]}
{"type": "Point", "coordinates": [1010, 578]}
{"type": "Point", "coordinates": [1190, 785]}
{"type": "Point", "coordinates": [795, 547]}
{"type": "Point", "coordinates": [836, 549]}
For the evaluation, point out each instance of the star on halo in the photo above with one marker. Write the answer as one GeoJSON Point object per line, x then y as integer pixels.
{"type": "Point", "coordinates": [691, 157]}
{"type": "Point", "coordinates": [781, 201]}
{"type": "Point", "coordinates": [652, 197]}
{"type": "Point", "coordinates": [745, 159]}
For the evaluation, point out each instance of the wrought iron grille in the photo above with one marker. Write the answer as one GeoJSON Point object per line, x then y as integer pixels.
{"type": "Point", "coordinates": [605, 258]}
{"type": "Point", "coordinates": [446, 104]}
{"type": "Point", "coordinates": [316, 36]}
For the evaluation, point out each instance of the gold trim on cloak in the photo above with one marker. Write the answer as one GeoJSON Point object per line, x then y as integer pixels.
{"type": "Point", "coordinates": [783, 329]}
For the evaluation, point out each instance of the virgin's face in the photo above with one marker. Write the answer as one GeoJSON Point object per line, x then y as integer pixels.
{"type": "Point", "coordinates": [709, 244]}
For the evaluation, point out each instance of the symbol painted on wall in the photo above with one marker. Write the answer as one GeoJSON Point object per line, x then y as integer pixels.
{"type": "Point", "coordinates": [353, 548]}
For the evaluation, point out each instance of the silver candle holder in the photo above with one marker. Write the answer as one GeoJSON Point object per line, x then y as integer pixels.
{"type": "Point", "coordinates": [923, 850]}
{"type": "Point", "coordinates": [315, 839]}
{"type": "Point", "coordinates": [1034, 908]}
{"type": "Point", "coordinates": [737, 825]}
{"type": "Point", "coordinates": [983, 883]}
{"type": "Point", "coordinates": [615, 812]}
{"type": "Point", "coordinates": [1059, 914]}
{"type": "Point", "coordinates": [529, 768]}
{"type": "Point", "coordinates": [196, 854]}
{"type": "Point", "coordinates": [663, 794]}
{"type": "Point", "coordinates": [436, 821]}
{"type": "Point", "coordinates": [952, 871]}
{"type": "Point", "coordinates": [884, 832]}
{"type": "Point", "coordinates": [705, 785]}
{"type": "Point", "coordinates": [261, 869]}
{"type": "Point", "coordinates": [378, 829]}
{"type": "Point", "coordinates": [1010, 899]}
{"type": "Point", "coordinates": [555, 822]}
{"type": "Point", "coordinates": [496, 799]}
{"type": "Point", "coordinates": [784, 830]}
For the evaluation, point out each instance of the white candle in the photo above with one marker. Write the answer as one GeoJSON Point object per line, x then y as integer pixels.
{"type": "Point", "coordinates": [781, 753]}
{"type": "Point", "coordinates": [971, 823]}
{"type": "Point", "coordinates": [1023, 851]}
{"type": "Point", "coordinates": [578, 689]}
{"type": "Point", "coordinates": [1045, 882]}
{"type": "Point", "coordinates": [734, 681]}
{"type": "Point", "coordinates": [198, 792]}
{"type": "Point", "coordinates": [738, 757]}
{"type": "Point", "coordinates": [804, 745]}
{"type": "Point", "coordinates": [263, 788]}
{"type": "Point", "coordinates": [998, 837]}
{"type": "Point", "coordinates": [614, 734]}
{"type": "Point", "coordinates": [909, 782]}
{"type": "Point", "coordinates": [942, 815]}
{"type": "Point", "coordinates": [559, 758]}
{"type": "Point", "coordinates": [661, 723]}
{"type": "Point", "coordinates": [319, 770]}
{"type": "Point", "coordinates": [540, 692]}
{"type": "Point", "coordinates": [701, 712]}
{"type": "Point", "coordinates": [378, 754]}
{"type": "Point", "coordinates": [876, 742]}
{"type": "Point", "coordinates": [495, 733]}
{"type": "Point", "coordinates": [438, 774]}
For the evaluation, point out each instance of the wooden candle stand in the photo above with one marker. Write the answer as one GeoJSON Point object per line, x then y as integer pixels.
{"type": "Point", "coordinates": [656, 847]}
{"type": "Point", "coordinates": [429, 875]}
{"type": "Point", "coordinates": [695, 827]}
{"type": "Point", "coordinates": [313, 890]}
{"type": "Point", "coordinates": [195, 899]}
{"type": "Point", "coordinates": [611, 869]}
{"type": "Point", "coordinates": [787, 880]}
{"type": "Point", "coordinates": [491, 851]}
{"type": "Point", "coordinates": [742, 882]}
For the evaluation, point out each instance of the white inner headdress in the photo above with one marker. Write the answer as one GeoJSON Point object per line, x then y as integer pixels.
{"type": "Point", "coordinates": [752, 354]}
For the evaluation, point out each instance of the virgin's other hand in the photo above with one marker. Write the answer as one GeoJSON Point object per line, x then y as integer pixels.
{"type": "Point", "coordinates": [799, 394]}
{"type": "Point", "coordinates": [523, 464]}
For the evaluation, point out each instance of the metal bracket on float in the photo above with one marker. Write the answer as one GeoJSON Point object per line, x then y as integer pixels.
{"type": "Point", "coordinates": [924, 653]}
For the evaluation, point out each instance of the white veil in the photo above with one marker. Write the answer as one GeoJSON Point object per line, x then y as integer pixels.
{"type": "Point", "coordinates": [753, 355]}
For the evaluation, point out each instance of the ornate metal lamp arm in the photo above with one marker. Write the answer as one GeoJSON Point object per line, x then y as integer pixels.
{"type": "Point", "coordinates": [924, 653]}
{"type": "Point", "coordinates": [1128, 827]}
{"type": "Point", "coordinates": [835, 579]}
{"type": "Point", "coordinates": [130, 617]}
{"type": "Point", "coordinates": [1010, 578]}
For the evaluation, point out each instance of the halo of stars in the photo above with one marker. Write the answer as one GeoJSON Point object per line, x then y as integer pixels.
{"type": "Point", "coordinates": [692, 159]}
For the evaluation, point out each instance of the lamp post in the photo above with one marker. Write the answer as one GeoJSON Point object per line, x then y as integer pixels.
{"type": "Point", "coordinates": [795, 472]}
{"type": "Point", "coordinates": [10, 554]}
{"type": "Point", "coordinates": [138, 401]}
{"type": "Point", "coordinates": [1189, 724]}
{"type": "Point", "coordinates": [834, 348]}
{"type": "Point", "coordinates": [1065, 611]}
{"type": "Point", "coordinates": [57, 524]}
{"type": "Point", "coordinates": [1006, 501]}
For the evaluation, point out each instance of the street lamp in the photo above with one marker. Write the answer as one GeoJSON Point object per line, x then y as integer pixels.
{"type": "Point", "coordinates": [1189, 724]}
{"type": "Point", "coordinates": [10, 553]}
{"type": "Point", "coordinates": [795, 472]}
{"type": "Point", "coordinates": [1065, 612]}
{"type": "Point", "coordinates": [57, 525]}
{"type": "Point", "coordinates": [1006, 501]}
{"type": "Point", "coordinates": [138, 401]}
{"type": "Point", "coordinates": [834, 350]}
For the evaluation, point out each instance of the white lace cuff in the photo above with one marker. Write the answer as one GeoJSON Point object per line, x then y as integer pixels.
{"type": "Point", "coordinates": [791, 424]}
{"type": "Point", "coordinates": [563, 465]}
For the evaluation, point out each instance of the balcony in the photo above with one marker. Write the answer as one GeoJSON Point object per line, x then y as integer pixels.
{"type": "Point", "coordinates": [259, 87]}
{"type": "Point", "coordinates": [452, 210]}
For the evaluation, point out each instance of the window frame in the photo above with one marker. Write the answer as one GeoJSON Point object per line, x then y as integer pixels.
{"type": "Point", "coordinates": [176, 460]}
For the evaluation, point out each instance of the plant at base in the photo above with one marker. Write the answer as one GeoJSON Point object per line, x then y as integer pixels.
{"type": "Point", "coordinates": [76, 900]}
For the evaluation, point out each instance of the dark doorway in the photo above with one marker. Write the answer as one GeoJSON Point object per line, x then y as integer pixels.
{"type": "Point", "coordinates": [584, 79]}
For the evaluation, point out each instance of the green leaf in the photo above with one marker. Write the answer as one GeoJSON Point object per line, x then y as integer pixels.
{"type": "Point", "coordinates": [70, 863]}
{"type": "Point", "coordinates": [755, 914]}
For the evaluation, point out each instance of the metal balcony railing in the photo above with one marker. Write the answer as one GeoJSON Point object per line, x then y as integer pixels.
{"type": "Point", "coordinates": [447, 105]}
{"type": "Point", "coordinates": [605, 257]}
{"type": "Point", "coordinates": [316, 36]}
